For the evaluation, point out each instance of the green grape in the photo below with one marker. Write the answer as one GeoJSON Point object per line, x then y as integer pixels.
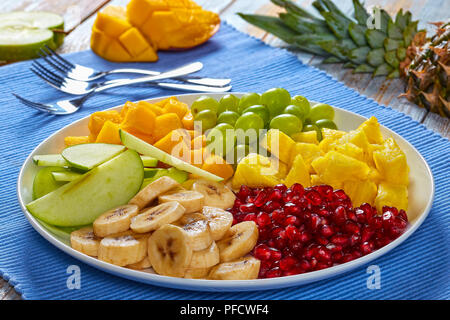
{"type": "Point", "coordinates": [326, 123]}
{"type": "Point", "coordinates": [287, 123]}
{"type": "Point", "coordinates": [229, 117]}
{"type": "Point", "coordinates": [295, 110]}
{"type": "Point", "coordinates": [321, 111]}
{"type": "Point", "coordinates": [251, 124]}
{"type": "Point", "coordinates": [261, 111]}
{"type": "Point", "coordinates": [302, 103]}
{"type": "Point", "coordinates": [204, 103]}
{"type": "Point", "coordinates": [276, 99]}
{"type": "Point", "coordinates": [228, 102]}
{"type": "Point", "coordinates": [247, 100]}
{"type": "Point", "coordinates": [208, 119]}
{"type": "Point", "coordinates": [313, 127]}
{"type": "Point", "coordinates": [221, 139]}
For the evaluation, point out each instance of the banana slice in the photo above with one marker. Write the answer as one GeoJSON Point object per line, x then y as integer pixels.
{"type": "Point", "coordinates": [216, 194]}
{"type": "Point", "coordinates": [238, 241]}
{"type": "Point", "coordinates": [205, 258]}
{"type": "Point", "coordinates": [153, 218]}
{"type": "Point", "coordinates": [219, 220]}
{"type": "Point", "coordinates": [169, 251]}
{"type": "Point", "coordinates": [197, 229]}
{"type": "Point", "coordinates": [192, 201]}
{"type": "Point", "coordinates": [152, 191]}
{"type": "Point", "coordinates": [143, 264]}
{"type": "Point", "coordinates": [246, 268]}
{"type": "Point", "coordinates": [85, 241]}
{"type": "Point", "coordinates": [115, 220]}
{"type": "Point", "coordinates": [123, 250]}
{"type": "Point", "coordinates": [196, 273]}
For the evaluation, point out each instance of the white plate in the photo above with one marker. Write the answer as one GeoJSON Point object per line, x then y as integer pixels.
{"type": "Point", "coordinates": [421, 194]}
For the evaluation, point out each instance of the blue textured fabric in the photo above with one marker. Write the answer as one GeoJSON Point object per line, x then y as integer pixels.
{"type": "Point", "coordinates": [418, 269]}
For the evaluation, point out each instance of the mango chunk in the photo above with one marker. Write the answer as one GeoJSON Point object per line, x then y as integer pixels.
{"type": "Point", "coordinates": [165, 123]}
{"type": "Point", "coordinates": [218, 166]}
{"type": "Point", "coordinates": [97, 119]}
{"type": "Point", "coordinates": [109, 133]}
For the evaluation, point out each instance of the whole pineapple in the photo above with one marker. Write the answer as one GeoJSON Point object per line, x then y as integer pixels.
{"type": "Point", "coordinates": [393, 48]}
{"type": "Point", "coordinates": [428, 70]}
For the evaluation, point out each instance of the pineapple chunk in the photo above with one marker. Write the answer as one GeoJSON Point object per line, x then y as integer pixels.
{"type": "Point", "coordinates": [391, 195]}
{"type": "Point", "coordinates": [332, 134]}
{"type": "Point", "coordinates": [361, 191]}
{"type": "Point", "coordinates": [258, 171]}
{"type": "Point", "coordinates": [306, 137]}
{"type": "Point", "coordinates": [279, 144]}
{"type": "Point", "coordinates": [336, 167]}
{"type": "Point", "coordinates": [299, 173]}
{"type": "Point", "coordinates": [371, 128]}
{"type": "Point", "coordinates": [374, 176]}
{"type": "Point", "coordinates": [391, 163]}
{"type": "Point", "coordinates": [324, 145]}
{"type": "Point", "coordinates": [308, 151]}
{"type": "Point", "coordinates": [350, 150]}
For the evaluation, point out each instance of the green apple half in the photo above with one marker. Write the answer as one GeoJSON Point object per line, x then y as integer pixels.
{"type": "Point", "coordinates": [81, 201]}
{"type": "Point", "coordinates": [22, 34]}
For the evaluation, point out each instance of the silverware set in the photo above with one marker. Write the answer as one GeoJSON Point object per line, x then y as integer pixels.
{"type": "Point", "coordinates": [80, 80]}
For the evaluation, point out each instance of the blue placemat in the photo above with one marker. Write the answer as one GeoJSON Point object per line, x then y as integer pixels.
{"type": "Point", "coordinates": [418, 269]}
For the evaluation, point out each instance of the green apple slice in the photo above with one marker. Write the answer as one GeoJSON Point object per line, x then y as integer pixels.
{"type": "Point", "coordinates": [66, 176]}
{"type": "Point", "coordinates": [89, 155]}
{"type": "Point", "coordinates": [156, 173]}
{"type": "Point", "coordinates": [147, 149]}
{"type": "Point", "coordinates": [44, 182]}
{"type": "Point", "coordinates": [50, 160]}
{"type": "Point", "coordinates": [81, 201]}
{"type": "Point", "coordinates": [149, 161]}
{"type": "Point", "coordinates": [22, 34]}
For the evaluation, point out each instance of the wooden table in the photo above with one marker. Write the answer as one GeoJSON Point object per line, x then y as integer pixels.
{"type": "Point", "coordinates": [80, 15]}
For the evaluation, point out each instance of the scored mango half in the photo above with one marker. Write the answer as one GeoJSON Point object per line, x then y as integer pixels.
{"type": "Point", "coordinates": [173, 24]}
{"type": "Point", "coordinates": [115, 39]}
{"type": "Point", "coordinates": [135, 33]}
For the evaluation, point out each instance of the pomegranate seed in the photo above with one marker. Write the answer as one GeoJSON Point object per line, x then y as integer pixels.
{"type": "Point", "coordinates": [292, 209]}
{"type": "Point", "coordinates": [260, 198]}
{"type": "Point", "coordinates": [297, 189]}
{"type": "Point", "coordinates": [354, 239]}
{"type": "Point", "coordinates": [291, 220]}
{"type": "Point", "coordinates": [366, 234]}
{"type": "Point", "coordinates": [263, 219]}
{"type": "Point", "coordinates": [351, 227]}
{"type": "Point", "coordinates": [271, 206]}
{"type": "Point", "coordinates": [340, 195]}
{"type": "Point", "coordinates": [248, 208]}
{"type": "Point", "coordinates": [273, 273]}
{"type": "Point", "coordinates": [278, 216]}
{"type": "Point", "coordinates": [333, 247]}
{"type": "Point", "coordinates": [314, 222]}
{"type": "Point", "coordinates": [321, 240]}
{"type": "Point", "coordinates": [340, 240]}
{"type": "Point", "coordinates": [262, 252]}
{"type": "Point", "coordinates": [250, 217]}
{"type": "Point", "coordinates": [327, 231]}
{"type": "Point", "coordinates": [243, 193]}
{"type": "Point", "coordinates": [275, 255]}
{"type": "Point", "coordinates": [313, 197]}
{"type": "Point", "coordinates": [304, 236]}
{"type": "Point", "coordinates": [305, 265]}
{"type": "Point", "coordinates": [275, 195]}
{"type": "Point", "coordinates": [360, 215]}
{"type": "Point", "coordinates": [287, 263]}
{"type": "Point", "coordinates": [281, 187]}
{"type": "Point", "coordinates": [291, 232]}
{"type": "Point", "coordinates": [340, 215]}
{"type": "Point", "coordinates": [346, 258]}
{"type": "Point", "coordinates": [366, 247]}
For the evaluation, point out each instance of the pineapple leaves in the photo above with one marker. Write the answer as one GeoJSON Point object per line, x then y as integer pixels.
{"type": "Point", "coordinates": [360, 14]}
{"type": "Point", "coordinates": [339, 38]}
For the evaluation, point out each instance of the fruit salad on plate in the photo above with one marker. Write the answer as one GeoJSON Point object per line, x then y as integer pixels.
{"type": "Point", "coordinates": [261, 186]}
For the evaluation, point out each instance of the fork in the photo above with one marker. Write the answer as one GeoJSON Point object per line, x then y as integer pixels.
{"type": "Point", "coordinates": [63, 107]}
{"type": "Point", "coordinates": [77, 87]}
{"type": "Point", "coordinates": [83, 73]}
